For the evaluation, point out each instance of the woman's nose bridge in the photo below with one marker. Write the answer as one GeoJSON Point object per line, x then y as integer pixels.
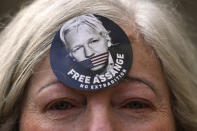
{"type": "Point", "coordinates": [100, 117]}
{"type": "Point", "coordinates": [100, 120]}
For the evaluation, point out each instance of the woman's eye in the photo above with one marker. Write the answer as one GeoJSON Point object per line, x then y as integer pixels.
{"type": "Point", "coordinates": [62, 109]}
{"type": "Point", "coordinates": [136, 105]}
{"type": "Point", "coordinates": [60, 105]}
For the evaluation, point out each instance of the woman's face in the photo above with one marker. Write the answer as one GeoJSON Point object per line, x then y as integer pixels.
{"type": "Point", "coordinates": [141, 102]}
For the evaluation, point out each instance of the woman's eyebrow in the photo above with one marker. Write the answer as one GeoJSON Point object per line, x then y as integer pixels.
{"type": "Point", "coordinates": [141, 80]}
{"type": "Point", "coordinates": [129, 78]}
{"type": "Point", "coordinates": [48, 85]}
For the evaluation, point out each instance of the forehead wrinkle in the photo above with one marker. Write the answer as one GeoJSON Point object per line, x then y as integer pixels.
{"type": "Point", "coordinates": [48, 85]}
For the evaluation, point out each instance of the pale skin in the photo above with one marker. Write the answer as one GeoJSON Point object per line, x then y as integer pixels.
{"type": "Point", "coordinates": [141, 102]}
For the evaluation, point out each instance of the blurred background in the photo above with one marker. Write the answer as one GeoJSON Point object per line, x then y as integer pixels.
{"type": "Point", "coordinates": [8, 8]}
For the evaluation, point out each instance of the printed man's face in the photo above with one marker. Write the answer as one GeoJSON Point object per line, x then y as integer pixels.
{"type": "Point", "coordinates": [84, 43]}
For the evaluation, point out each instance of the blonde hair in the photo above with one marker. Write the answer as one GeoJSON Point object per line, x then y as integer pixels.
{"type": "Point", "coordinates": [27, 39]}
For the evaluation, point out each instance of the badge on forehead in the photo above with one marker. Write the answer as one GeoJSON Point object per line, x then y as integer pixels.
{"type": "Point", "coordinates": [90, 52]}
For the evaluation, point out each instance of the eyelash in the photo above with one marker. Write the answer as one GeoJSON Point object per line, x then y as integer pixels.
{"type": "Point", "coordinates": [65, 109]}
{"type": "Point", "coordinates": [137, 105]}
{"type": "Point", "coordinates": [61, 109]}
{"type": "Point", "coordinates": [134, 104]}
{"type": "Point", "coordinates": [60, 105]}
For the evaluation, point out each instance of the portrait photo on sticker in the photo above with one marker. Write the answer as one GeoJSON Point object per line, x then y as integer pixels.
{"type": "Point", "coordinates": [90, 52]}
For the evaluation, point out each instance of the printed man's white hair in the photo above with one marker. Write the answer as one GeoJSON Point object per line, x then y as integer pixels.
{"type": "Point", "coordinates": [88, 19]}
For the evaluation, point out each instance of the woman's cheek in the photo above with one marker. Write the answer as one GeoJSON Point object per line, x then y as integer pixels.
{"type": "Point", "coordinates": [160, 125]}
{"type": "Point", "coordinates": [37, 122]}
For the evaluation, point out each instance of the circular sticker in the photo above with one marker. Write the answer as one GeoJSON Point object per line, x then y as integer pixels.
{"type": "Point", "coordinates": [90, 52]}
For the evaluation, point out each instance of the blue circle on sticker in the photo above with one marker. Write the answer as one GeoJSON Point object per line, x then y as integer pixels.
{"type": "Point", "coordinates": [90, 52]}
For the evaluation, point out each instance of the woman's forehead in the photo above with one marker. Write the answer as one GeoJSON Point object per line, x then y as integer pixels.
{"type": "Point", "coordinates": [145, 66]}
